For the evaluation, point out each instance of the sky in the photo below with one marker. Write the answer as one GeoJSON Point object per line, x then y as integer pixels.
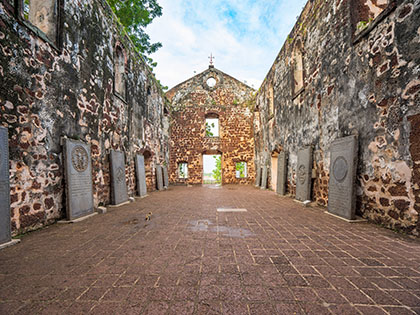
{"type": "Point", "coordinates": [245, 37]}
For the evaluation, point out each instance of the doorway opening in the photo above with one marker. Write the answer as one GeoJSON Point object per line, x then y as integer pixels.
{"type": "Point", "coordinates": [273, 173]}
{"type": "Point", "coordinates": [212, 169]}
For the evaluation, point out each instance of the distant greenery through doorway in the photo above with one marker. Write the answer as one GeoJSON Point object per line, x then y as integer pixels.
{"type": "Point", "coordinates": [212, 169]}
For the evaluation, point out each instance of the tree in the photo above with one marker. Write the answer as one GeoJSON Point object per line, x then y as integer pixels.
{"type": "Point", "coordinates": [209, 128]}
{"type": "Point", "coordinates": [217, 172]}
{"type": "Point", "coordinates": [135, 15]}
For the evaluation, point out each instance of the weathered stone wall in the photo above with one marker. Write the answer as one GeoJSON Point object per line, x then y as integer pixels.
{"type": "Point", "coordinates": [361, 65]}
{"type": "Point", "coordinates": [65, 88]}
{"type": "Point", "coordinates": [231, 101]}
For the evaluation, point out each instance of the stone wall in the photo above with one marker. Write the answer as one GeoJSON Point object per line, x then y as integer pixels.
{"type": "Point", "coordinates": [193, 101]}
{"type": "Point", "coordinates": [360, 70]}
{"type": "Point", "coordinates": [63, 86]}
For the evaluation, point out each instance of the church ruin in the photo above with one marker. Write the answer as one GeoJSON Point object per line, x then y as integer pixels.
{"type": "Point", "coordinates": [347, 69]}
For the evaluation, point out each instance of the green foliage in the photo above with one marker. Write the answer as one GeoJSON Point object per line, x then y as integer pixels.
{"type": "Point", "coordinates": [235, 102]}
{"type": "Point", "coordinates": [363, 24]}
{"type": "Point", "coordinates": [289, 39]}
{"type": "Point", "coordinates": [135, 15]}
{"type": "Point", "coordinates": [182, 167]}
{"type": "Point", "coordinates": [217, 172]}
{"type": "Point", "coordinates": [209, 127]}
{"type": "Point", "coordinates": [241, 167]}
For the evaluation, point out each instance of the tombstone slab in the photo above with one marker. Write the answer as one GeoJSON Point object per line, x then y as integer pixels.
{"type": "Point", "coordinates": [264, 178]}
{"type": "Point", "coordinates": [343, 166]}
{"type": "Point", "coordinates": [118, 181]}
{"type": "Point", "coordinates": [165, 177]}
{"type": "Point", "coordinates": [304, 174]}
{"type": "Point", "coordinates": [5, 232]}
{"type": "Point", "coordinates": [141, 176]}
{"type": "Point", "coordinates": [281, 173]}
{"type": "Point", "coordinates": [79, 189]}
{"type": "Point", "coordinates": [159, 177]}
{"type": "Point", "coordinates": [258, 177]}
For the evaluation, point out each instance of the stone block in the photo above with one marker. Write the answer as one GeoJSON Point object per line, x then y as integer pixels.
{"type": "Point", "coordinates": [258, 177]}
{"type": "Point", "coordinates": [304, 174]}
{"type": "Point", "coordinates": [118, 181]}
{"type": "Point", "coordinates": [341, 186]}
{"type": "Point", "coordinates": [5, 233]}
{"type": "Point", "coordinates": [264, 177]}
{"type": "Point", "coordinates": [281, 173]}
{"type": "Point", "coordinates": [159, 177]}
{"type": "Point", "coordinates": [165, 177]}
{"type": "Point", "coordinates": [78, 171]}
{"type": "Point", "coordinates": [141, 176]}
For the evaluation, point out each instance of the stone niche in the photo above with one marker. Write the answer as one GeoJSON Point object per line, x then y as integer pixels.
{"type": "Point", "coordinates": [118, 180]}
{"type": "Point", "coordinates": [141, 176]}
{"type": "Point", "coordinates": [304, 174]}
{"type": "Point", "coordinates": [159, 177]}
{"type": "Point", "coordinates": [5, 233]}
{"type": "Point", "coordinates": [281, 173]}
{"type": "Point", "coordinates": [79, 189]}
{"type": "Point", "coordinates": [341, 189]}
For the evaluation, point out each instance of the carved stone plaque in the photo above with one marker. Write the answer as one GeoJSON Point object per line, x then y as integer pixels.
{"type": "Point", "coordinates": [79, 188]}
{"type": "Point", "coordinates": [343, 166]}
{"type": "Point", "coordinates": [141, 176]}
{"type": "Point", "coordinates": [281, 173]}
{"type": "Point", "coordinates": [258, 177]}
{"type": "Point", "coordinates": [165, 177]}
{"type": "Point", "coordinates": [118, 182]}
{"type": "Point", "coordinates": [159, 177]}
{"type": "Point", "coordinates": [264, 178]}
{"type": "Point", "coordinates": [5, 234]}
{"type": "Point", "coordinates": [304, 174]}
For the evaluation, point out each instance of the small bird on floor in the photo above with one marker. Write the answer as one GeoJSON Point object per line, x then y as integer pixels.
{"type": "Point", "coordinates": [148, 216]}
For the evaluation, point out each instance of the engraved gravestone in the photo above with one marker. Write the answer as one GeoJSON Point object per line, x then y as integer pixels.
{"type": "Point", "coordinates": [118, 181]}
{"type": "Point", "coordinates": [341, 191]}
{"type": "Point", "coordinates": [281, 173]}
{"type": "Point", "coordinates": [141, 176]}
{"type": "Point", "coordinates": [304, 174]}
{"type": "Point", "coordinates": [165, 177]}
{"type": "Point", "coordinates": [264, 178]}
{"type": "Point", "coordinates": [5, 234]}
{"type": "Point", "coordinates": [159, 177]}
{"type": "Point", "coordinates": [258, 177]}
{"type": "Point", "coordinates": [79, 187]}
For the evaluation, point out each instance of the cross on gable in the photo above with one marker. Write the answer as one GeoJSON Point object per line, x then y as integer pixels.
{"type": "Point", "coordinates": [211, 59]}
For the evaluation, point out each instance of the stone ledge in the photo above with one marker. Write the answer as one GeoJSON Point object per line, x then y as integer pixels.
{"type": "Point", "coordinates": [357, 220]}
{"type": "Point", "coordinates": [78, 219]}
{"type": "Point", "coordinates": [120, 204]}
{"type": "Point", "coordinates": [11, 243]}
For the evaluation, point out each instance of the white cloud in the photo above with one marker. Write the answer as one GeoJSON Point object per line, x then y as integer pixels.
{"type": "Point", "coordinates": [245, 36]}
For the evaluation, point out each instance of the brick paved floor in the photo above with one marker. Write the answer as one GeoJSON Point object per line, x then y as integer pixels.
{"type": "Point", "coordinates": [277, 258]}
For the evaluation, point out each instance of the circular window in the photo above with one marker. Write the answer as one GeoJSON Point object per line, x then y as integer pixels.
{"type": "Point", "coordinates": [211, 82]}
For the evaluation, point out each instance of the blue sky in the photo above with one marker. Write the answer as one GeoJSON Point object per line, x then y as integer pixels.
{"type": "Point", "coordinates": [245, 37]}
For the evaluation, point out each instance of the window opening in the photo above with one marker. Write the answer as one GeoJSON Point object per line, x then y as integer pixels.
{"type": "Point", "coordinates": [183, 170]}
{"type": "Point", "coordinates": [297, 70]}
{"type": "Point", "coordinates": [211, 82]}
{"type": "Point", "coordinates": [43, 15]}
{"type": "Point", "coordinates": [241, 170]}
{"type": "Point", "coordinates": [212, 127]}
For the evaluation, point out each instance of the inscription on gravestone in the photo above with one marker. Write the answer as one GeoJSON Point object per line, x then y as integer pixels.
{"type": "Point", "coordinates": [79, 188]}
{"type": "Point", "coordinates": [258, 177]}
{"type": "Point", "coordinates": [281, 173]}
{"type": "Point", "coordinates": [141, 176]}
{"type": "Point", "coordinates": [5, 234]}
{"type": "Point", "coordinates": [118, 181]}
{"type": "Point", "coordinates": [264, 178]}
{"type": "Point", "coordinates": [304, 174]}
{"type": "Point", "coordinates": [165, 177]}
{"type": "Point", "coordinates": [159, 177]}
{"type": "Point", "coordinates": [343, 166]}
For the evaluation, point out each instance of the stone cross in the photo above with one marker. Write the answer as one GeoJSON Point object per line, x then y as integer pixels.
{"type": "Point", "coordinates": [211, 59]}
